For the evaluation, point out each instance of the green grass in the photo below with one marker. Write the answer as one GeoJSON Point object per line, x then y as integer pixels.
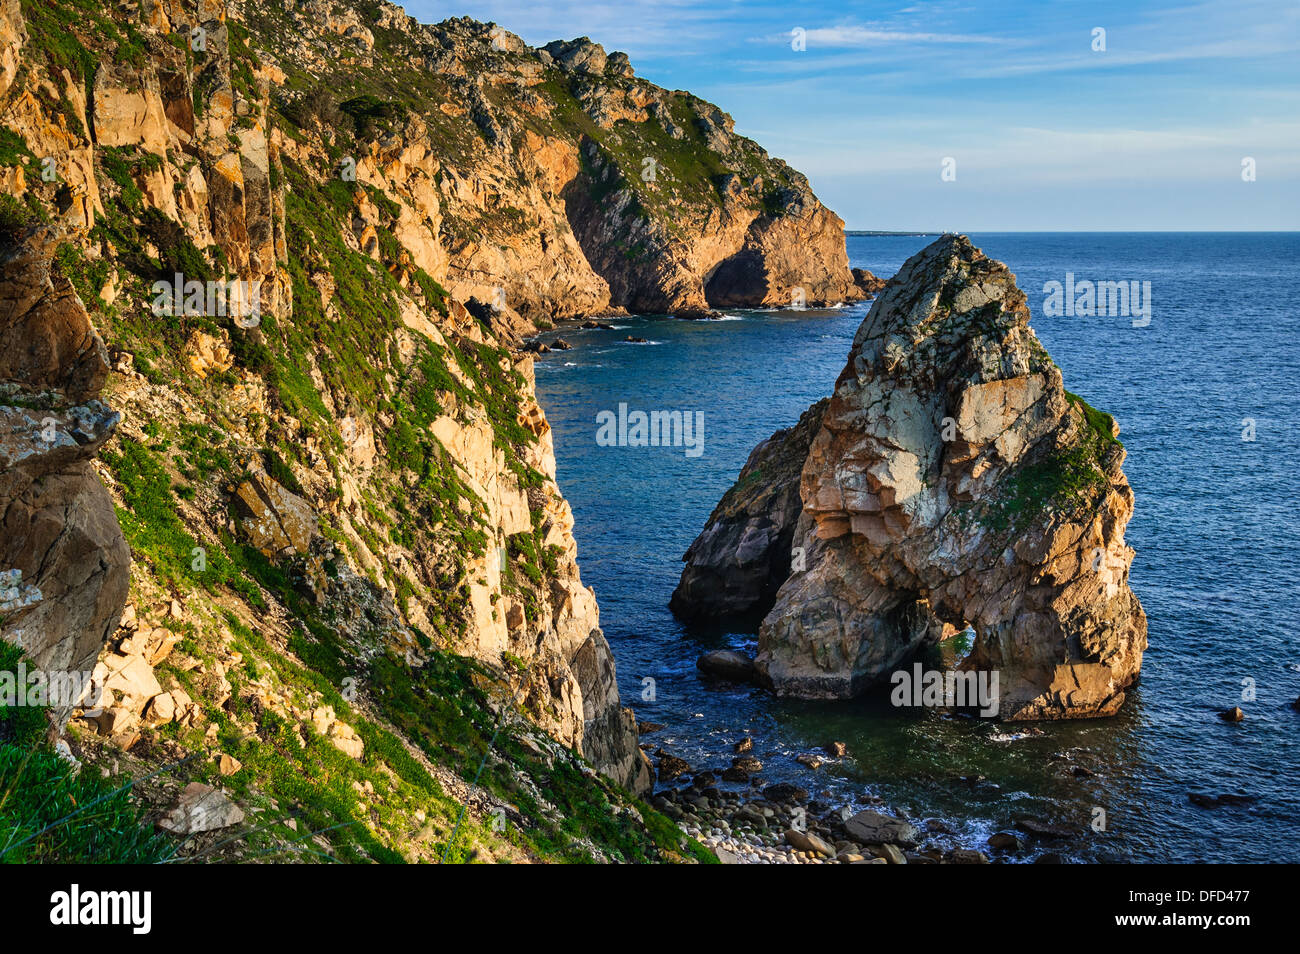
{"type": "Point", "coordinates": [156, 533]}
{"type": "Point", "coordinates": [441, 708]}
{"type": "Point", "coordinates": [52, 813]}
{"type": "Point", "coordinates": [1068, 478]}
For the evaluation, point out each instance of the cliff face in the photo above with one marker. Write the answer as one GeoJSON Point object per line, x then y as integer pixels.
{"type": "Point", "coordinates": [953, 482]}
{"type": "Point", "coordinates": [345, 535]}
{"type": "Point", "coordinates": [64, 566]}
{"type": "Point", "coordinates": [549, 183]}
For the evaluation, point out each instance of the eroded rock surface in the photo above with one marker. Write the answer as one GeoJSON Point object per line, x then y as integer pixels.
{"type": "Point", "coordinates": [66, 563]}
{"type": "Point", "coordinates": [953, 482]}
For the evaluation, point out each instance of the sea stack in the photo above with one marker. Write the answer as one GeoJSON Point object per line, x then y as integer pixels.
{"type": "Point", "coordinates": [953, 482]}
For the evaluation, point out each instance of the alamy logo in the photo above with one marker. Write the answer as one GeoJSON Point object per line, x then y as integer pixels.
{"type": "Point", "coordinates": [239, 299]}
{"type": "Point", "coordinates": [1088, 299]}
{"type": "Point", "coordinates": [933, 689]}
{"type": "Point", "coordinates": [651, 429]}
{"type": "Point", "coordinates": [74, 907]}
{"type": "Point", "coordinates": [21, 687]}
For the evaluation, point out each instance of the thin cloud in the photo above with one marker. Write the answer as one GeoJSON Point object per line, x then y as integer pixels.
{"type": "Point", "coordinates": [853, 36]}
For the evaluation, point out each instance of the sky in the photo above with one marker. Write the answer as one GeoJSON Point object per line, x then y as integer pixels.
{"type": "Point", "coordinates": [1049, 125]}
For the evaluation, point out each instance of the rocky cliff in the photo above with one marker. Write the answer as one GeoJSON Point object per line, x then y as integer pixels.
{"type": "Point", "coordinates": [293, 245]}
{"type": "Point", "coordinates": [65, 563]}
{"type": "Point", "coordinates": [739, 561]}
{"type": "Point", "coordinates": [545, 183]}
{"type": "Point", "coordinates": [952, 482]}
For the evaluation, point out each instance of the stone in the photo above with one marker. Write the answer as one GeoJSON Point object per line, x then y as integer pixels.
{"type": "Point", "coordinates": [276, 522]}
{"type": "Point", "coordinates": [836, 749]}
{"type": "Point", "coordinates": [726, 664]}
{"type": "Point", "coordinates": [965, 856]}
{"type": "Point", "coordinates": [1005, 841]}
{"type": "Point", "coordinates": [810, 760]}
{"type": "Point", "coordinates": [345, 739]}
{"type": "Point", "coordinates": [873, 828]}
{"type": "Point", "coordinates": [160, 710]}
{"type": "Point", "coordinates": [807, 841]}
{"type": "Point", "coordinates": [1235, 714]}
{"type": "Point", "coordinates": [670, 767]}
{"type": "Point", "coordinates": [201, 808]}
{"type": "Point", "coordinates": [785, 792]}
{"type": "Point", "coordinates": [131, 678]}
{"type": "Point", "coordinates": [207, 355]}
{"type": "Point", "coordinates": [744, 745]}
{"type": "Point", "coordinates": [1040, 828]}
{"type": "Point", "coordinates": [892, 854]}
{"type": "Point", "coordinates": [227, 764]}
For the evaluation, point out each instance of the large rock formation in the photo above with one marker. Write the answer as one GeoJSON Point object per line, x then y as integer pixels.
{"type": "Point", "coordinates": [64, 565]}
{"type": "Point", "coordinates": [553, 183]}
{"type": "Point", "coordinates": [736, 565]}
{"type": "Point", "coordinates": [954, 482]}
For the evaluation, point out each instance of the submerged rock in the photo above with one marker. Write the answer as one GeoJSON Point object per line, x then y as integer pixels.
{"type": "Point", "coordinates": [727, 664]}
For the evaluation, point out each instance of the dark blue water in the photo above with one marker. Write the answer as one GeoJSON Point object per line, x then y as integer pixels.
{"type": "Point", "coordinates": [1216, 533]}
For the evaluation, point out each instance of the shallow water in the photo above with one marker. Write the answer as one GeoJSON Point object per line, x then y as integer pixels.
{"type": "Point", "coordinates": [1215, 529]}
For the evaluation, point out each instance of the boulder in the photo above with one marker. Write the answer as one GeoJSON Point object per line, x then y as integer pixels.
{"type": "Point", "coordinates": [807, 841]}
{"type": "Point", "coordinates": [1005, 841]}
{"type": "Point", "coordinates": [965, 856]}
{"type": "Point", "coordinates": [201, 808]}
{"type": "Point", "coordinates": [276, 522]}
{"type": "Point", "coordinates": [670, 767]}
{"type": "Point", "coordinates": [727, 664]}
{"type": "Point", "coordinates": [869, 283]}
{"type": "Point", "coordinates": [739, 561]}
{"type": "Point", "coordinates": [345, 739]}
{"type": "Point", "coordinates": [874, 828]}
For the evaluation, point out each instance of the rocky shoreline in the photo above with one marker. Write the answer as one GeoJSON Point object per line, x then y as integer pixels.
{"type": "Point", "coordinates": [783, 823]}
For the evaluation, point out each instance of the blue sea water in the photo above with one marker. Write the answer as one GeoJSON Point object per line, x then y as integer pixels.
{"type": "Point", "coordinates": [1215, 529]}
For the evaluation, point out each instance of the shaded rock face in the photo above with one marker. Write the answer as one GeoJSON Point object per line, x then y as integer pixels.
{"type": "Point", "coordinates": [954, 482]}
{"type": "Point", "coordinates": [65, 562]}
{"type": "Point", "coordinates": [796, 258]}
{"type": "Point", "coordinates": [736, 565]}
{"type": "Point", "coordinates": [869, 283]}
{"type": "Point", "coordinates": [277, 522]}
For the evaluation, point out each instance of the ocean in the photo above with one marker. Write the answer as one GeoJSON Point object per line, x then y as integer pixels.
{"type": "Point", "coordinates": [1208, 398]}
